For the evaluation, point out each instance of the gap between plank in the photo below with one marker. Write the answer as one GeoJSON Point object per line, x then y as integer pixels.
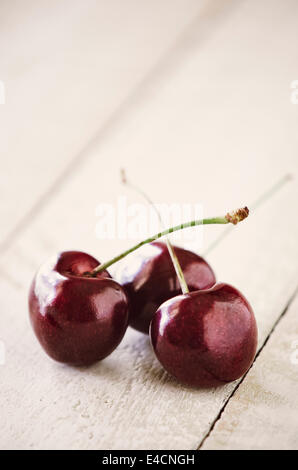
{"type": "Point", "coordinates": [212, 15]}
{"type": "Point", "coordinates": [219, 415]}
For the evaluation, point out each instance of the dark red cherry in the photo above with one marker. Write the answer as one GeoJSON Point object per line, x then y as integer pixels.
{"type": "Point", "coordinates": [77, 319]}
{"type": "Point", "coordinates": [205, 338]}
{"type": "Point", "coordinates": [149, 279]}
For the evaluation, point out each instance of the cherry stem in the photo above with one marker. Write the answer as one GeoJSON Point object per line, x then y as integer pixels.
{"type": "Point", "coordinates": [171, 250]}
{"type": "Point", "coordinates": [255, 205]}
{"type": "Point", "coordinates": [230, 218]}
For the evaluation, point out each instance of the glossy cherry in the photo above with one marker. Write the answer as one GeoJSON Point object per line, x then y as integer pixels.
{"type": "Point", "coordinates": [205, 338]}
{"type": "Point", "coordinates": [149, 279]}
{"type": "Point", "coordinates": [77, 319]}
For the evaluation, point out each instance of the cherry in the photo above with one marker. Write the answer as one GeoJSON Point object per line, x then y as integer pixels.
{"type": "Point", "coordinates": [149, 279]}
{"type": "Point", "coordinates": [205, 338]}
{"type": "Point", "coordinates": [77, 319]}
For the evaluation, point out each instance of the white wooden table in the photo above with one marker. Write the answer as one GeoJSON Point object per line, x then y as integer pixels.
{"type": "Point", "coordinates": [194, 99]}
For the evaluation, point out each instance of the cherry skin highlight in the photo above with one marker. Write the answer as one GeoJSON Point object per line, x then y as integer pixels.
{"type": "Point", "coordinates": [77, 319]}
{"type": "Point", "coordinates": [205, 338]}
{"type": "Point", "coordinates": [149, 279]}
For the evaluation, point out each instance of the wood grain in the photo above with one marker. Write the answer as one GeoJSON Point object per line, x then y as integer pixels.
{"type": "Point", "coordinates": [67, 67]}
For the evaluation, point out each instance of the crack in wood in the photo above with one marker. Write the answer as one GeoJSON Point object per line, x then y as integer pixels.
{"type": "Point", "coordinates": [221, 411]}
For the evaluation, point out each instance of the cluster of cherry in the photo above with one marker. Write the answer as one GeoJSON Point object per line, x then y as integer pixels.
{"type": "Point", "coordinates": [204, 337]}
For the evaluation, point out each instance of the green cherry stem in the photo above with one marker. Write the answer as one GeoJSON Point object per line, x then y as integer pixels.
{"type": "Point", "coordinates": [255, 205]}
{"type": "Point", "coordinates": [175, 261]}
{"type": "Point", "coordinates": [230, 218]}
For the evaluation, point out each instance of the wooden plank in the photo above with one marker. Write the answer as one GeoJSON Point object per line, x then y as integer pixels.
{"type": "Point", "coordinates": [118, 402]}
{"type": "Point", "coordinates": [67, 66]}
{"type": "Point", "coordinates": [263, 412]}
{"type": "Point", "coordinates": [217, 154]}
